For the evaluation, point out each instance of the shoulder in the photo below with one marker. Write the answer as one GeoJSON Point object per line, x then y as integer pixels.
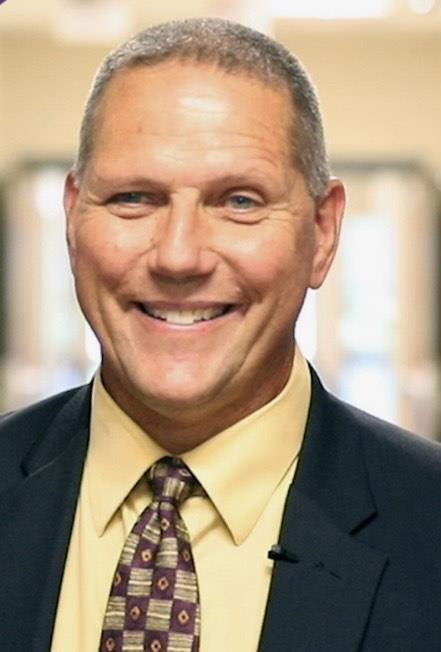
{"type": "Point", "coordinates": [385, 443]}
{"type": "Point", "coordinates": [372, 478]}
{"type": "Point", "coordinates": [40, 411]}
{"type": "Point", "coordinates": [403, 468]}
{"type": "Point", "coordinates": [21, 429]}
{"type": "Point", "coordinates": [380, 439]}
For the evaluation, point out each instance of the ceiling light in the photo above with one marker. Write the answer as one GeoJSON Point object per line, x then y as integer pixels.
{"type": "Point", "coordinates": [92, 21]}
{"type": "Point", "coordinates": [326, 10]}
{"type": "Point", "coordinates": [421, 6]}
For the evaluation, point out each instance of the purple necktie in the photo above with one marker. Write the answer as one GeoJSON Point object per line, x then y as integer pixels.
{"type": "Point", "coordinates": [154, 601]}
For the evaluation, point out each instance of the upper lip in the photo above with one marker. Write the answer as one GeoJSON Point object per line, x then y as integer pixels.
{"type": "Point", "coordinates": [185, 305]}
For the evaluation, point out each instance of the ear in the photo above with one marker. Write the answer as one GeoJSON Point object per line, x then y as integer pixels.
{"type": "Point", "coordinates": [328, 218]}
{"type": "Point", "coordinates": [71, 191]}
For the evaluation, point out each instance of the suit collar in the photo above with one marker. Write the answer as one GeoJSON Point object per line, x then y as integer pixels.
{"type": "Point", "coordinates": [71, 418]}
{"type": "Point", "coordinates": [324, 584]}
{"type": "Point", "coordinates": [332, 469]}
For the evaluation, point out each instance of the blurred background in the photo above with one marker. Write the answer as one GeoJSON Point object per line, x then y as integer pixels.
{"type": "Point", "coordinates": [373, 331]}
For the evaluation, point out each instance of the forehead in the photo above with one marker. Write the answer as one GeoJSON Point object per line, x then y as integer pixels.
{"type": "Point", "coordinates": [193, 102]}
{"type": "Point", "coordinates": [174, 76]}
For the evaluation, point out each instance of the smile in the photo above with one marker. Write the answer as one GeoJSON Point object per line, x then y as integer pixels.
{"type": "Point", "coordinates": [184, 317]}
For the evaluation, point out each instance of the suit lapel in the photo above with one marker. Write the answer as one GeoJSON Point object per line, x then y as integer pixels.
{"type": "Point", "coordinates": [322, 601]}
{"type": "Point", "coordinates": [324, 580]}
{"type": "Point", "coordinates": [38, 511]}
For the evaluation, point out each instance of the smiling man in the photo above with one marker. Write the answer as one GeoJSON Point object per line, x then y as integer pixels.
{"type": "Point", "coordinates": [173, 224]}
{"type": "Point", "coordinates": [205, 492]}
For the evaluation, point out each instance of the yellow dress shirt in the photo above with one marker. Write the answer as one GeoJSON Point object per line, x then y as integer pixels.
{"type": "Point", "coordinates": [245, 470]}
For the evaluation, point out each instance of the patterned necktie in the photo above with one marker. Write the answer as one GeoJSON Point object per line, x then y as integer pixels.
{"type": "Point", "coordinates": [154, 602]}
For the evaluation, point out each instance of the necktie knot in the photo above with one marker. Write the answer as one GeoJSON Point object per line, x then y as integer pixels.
{"type": "Point", "coordinates": [171, 481]}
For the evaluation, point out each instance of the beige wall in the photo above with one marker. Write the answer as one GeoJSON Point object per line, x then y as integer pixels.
{"type": "Point", "coordinates": [381, 95]}
{"type": "Point", "coordinates": [45, 84]}
{"type": "Point", "coordinates": [2, 102]}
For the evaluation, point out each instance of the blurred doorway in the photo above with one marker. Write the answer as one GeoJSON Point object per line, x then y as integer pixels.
{"type": "Point", "coordinates": [377, 316]}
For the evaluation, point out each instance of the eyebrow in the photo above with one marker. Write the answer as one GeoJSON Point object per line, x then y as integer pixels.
{"type": "Point", "coordinates": [252, 175]}
{"type": "Point", "coordinates": [111, 180]}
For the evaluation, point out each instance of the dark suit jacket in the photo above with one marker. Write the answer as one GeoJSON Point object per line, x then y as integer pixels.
{"type": "Point", "coordinates": [359, 557]}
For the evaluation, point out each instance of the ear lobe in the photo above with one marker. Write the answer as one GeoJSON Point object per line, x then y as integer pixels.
{"type": "Point", "coordinates": [70, 197]}
{"type": "Point", "coordinates": [329, 215]}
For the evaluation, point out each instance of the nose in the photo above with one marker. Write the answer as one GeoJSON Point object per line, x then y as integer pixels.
{"type": "Point", "coordinates": [181, 250]}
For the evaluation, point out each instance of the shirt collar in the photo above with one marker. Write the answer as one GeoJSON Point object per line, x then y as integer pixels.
{"type": "Point", "coordinates": [119, 454]}
{"type": "Point", "coordinates": [240, 468]}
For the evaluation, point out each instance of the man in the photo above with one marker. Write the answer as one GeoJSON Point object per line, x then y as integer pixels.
{"type": "Point", "coordinates": [199, 212]}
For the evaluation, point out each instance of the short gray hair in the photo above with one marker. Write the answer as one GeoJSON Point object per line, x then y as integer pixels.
{"type": "Point", "coordinates": [233, 48]}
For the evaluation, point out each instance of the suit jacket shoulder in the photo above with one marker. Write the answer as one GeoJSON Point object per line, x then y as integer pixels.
{"type": "Point", "coordinates": [346, 448]}
{"type": "Point", "coordinates": [22, 431]}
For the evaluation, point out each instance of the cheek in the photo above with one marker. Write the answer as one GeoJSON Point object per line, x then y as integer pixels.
{"type": "Point", "coordinates": [275, 258]}
{"type": "Point", "coordinates": [105, 255]}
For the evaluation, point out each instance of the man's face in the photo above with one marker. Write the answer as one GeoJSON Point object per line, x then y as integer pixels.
{"type": "Point", "coordinates": [193, 240]}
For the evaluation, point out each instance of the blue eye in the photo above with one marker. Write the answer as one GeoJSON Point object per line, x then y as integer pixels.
{"type": "Point", "coordinates": [241, 202]}
{"type": "Point", "coordinates": [128, 197]}
{"type": "Point", "coordinates": [135, 203]}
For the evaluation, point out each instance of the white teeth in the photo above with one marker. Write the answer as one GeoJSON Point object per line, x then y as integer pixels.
{"type": "Point", "coordinates": [183, 317]}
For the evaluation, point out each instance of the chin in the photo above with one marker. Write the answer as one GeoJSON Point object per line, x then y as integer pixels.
{"type": "Point", "coordinates": [167, 392]}
{"type": "Point", "coordinates": [171, 400]}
